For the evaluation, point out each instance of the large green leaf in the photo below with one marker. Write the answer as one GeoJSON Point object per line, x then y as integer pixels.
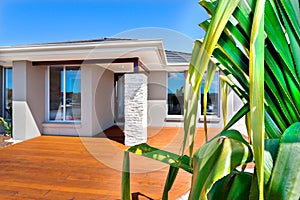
{"type": "Point", "coordinates": [291, 10]}
{"type": "Point", "coordinates": [175, 161]}
{"type": "Point", "coordinates": [256, 70]}
{"type": "Point", "coordinates": [292, 24]}
{"type": "Point", "coordinates": [271, 150]}
{"type": "Point", "coordinates": [276, 34]}
{"type": "Point", "coordinates": [211, 70]}
{"type": "Point", "coordinates": [163, 156]}
{"type": "Point", "coordinates": [254, 191]}
{"type": "Point", "coordinates": [236, 62]}
{"type": "Point", "coordinates": [235, 79]}
{"type": "Point", "coordinates": [235, 35]}
{"type": "Point", "coordinates": [126, 177]}
{"type": "Point", "coordinates": [199, 61]}
{"type": "Point", "coordinates": [173, 171]}
{"type": "Point", "coordinates": [274, 70]}
{"type": "Point", "coordinates": [191, 96]}
{"type": "Point", "coordinates": [235, 185]}
{"type": "Point", "coordinates": [217, 159]}
{"type": "Point", "coordinates": [278, 100]}
{"type": "Point", "coordinates": [238, 115]}
{"type": "Point", "coordinates": [284, 182]}
{"type": "Point", "coordinates": [224, 97]}
{"type": "Point", "coordinates": [271, 127]}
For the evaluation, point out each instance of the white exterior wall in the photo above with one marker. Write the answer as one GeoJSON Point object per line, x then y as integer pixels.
{"type": "Point", "coordinates": [28, 100]}
{"type": "Point", "coordinates": [157, 98]}
{"type": "Point", "coordinates": [97, 106]}
{"type": "Point", "coordinates": [103, 101]}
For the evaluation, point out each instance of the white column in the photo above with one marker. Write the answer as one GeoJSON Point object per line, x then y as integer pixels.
{"type": "Point", "coordinates": [135, 101]}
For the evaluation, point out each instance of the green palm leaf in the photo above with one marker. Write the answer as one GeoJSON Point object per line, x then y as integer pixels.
{"type": "Point", "coordinates": [173, 171]}
{"type": "Point", "coordinates": [126, 177]}
{"type": "Point", "coordinates": [199, 61]}
{"type": "Point", "coordinates": [258, 52]}
{"type": "Point", "coordinates": [216, 159]}
{"type": "Point", "coordinates": [284, 183]}
{"type": "Point", "coordinates": [235, 185]}
{"type": "Point", "coordinates": [169, 158]}
{"type": "Point", "coordinates": [175, 161]}
{"type": "Point", "coordinates": [224, 97]}
{"type": "Point", "coordinates": [211, 70]}
{"type": "Point", "coordinates": [256, 70]}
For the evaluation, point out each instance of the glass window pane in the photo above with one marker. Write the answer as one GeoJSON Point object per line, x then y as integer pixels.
{"type": "Point", "coordinates": [56, 93]}
{"type": "Point", "coordinates": [8, 93]}
{"type": "Point", "coordinates": [73, 93]}
{"type": "Point", "coordinates": [212, 96]}
{"type": "Point", "coordinates": [176, 83]}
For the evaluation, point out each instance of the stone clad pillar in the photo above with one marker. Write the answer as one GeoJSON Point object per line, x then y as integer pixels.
{"type": "Point", "coordinates": [135, 105]}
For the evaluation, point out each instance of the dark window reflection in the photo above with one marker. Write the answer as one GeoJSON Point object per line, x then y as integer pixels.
{"type": "Point", "coordinates": [65, 93]}
{"type": "Point", "coordinates": [176, 81]}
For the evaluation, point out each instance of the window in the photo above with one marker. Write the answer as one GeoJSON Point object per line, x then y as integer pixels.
{"type": "Point", "coordinates": [176, 81]}
{"type": "Point", "coordinates": [213, 106]}
{"type": "Point", "coordinates": [7, 93]}
{"type": "Point", "coordinates": [64, 93]}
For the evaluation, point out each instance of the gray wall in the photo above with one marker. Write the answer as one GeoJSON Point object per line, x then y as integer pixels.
{"type": "Point", "coordinates": [36, 93]}
{"type": "Point", "coordinates": [28, 100]}
{"type": "Point", "coordinates": [104, 98]}
{"type": "Point", "coordinates": [157, 98]}
{"type": "Point", "coordinates": [157, 85]}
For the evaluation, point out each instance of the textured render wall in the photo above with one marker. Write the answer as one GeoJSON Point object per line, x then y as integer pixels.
{"type": "Point", "coordinates": [135, 101]}
{"type": "Point", "coordinates": [157, 98]}
{"type": "Point", "coordinates": [28, 100]}
{"type": "Point", "coordinates": [157, 85]}
{"type": "Point", "coordinates": [36, 93]}
{"type": "Point", "coordinates": [103, 81]}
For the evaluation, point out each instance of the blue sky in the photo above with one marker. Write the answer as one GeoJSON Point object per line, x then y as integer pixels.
{"type": "Point", "coordinates": [39, 21]}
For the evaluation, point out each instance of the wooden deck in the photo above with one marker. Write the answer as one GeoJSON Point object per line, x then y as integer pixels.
{"type": "Point", "coordinates": [57, 167]}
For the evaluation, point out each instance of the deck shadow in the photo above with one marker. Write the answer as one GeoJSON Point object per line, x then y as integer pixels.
{"type": "Point", "coordinates": [135, 196]}
{"type": "Point", "coordinates": [114, 133]}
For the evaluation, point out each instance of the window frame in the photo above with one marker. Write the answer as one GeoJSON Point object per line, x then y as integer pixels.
{"type": "Point", "coordinates": [4, 95]}
{"type": "Point", "coordinates": [64, 120]}
{"type": "Point", "coordinates": [171, 117]}
{"type": "Point", "coordinates": [210, 118]}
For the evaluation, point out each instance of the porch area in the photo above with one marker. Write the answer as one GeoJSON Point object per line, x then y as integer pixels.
{"type": "Point", "coordinates": [58, 167]}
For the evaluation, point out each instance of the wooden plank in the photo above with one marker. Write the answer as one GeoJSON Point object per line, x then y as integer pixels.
{"type": "Point", "coordinates": [57, 167]}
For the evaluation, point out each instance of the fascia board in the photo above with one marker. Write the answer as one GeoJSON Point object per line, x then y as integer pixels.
{"type": "Point", "coordinates": [53, 47]}
{"type": "Point", "coordinates": [31, 52]}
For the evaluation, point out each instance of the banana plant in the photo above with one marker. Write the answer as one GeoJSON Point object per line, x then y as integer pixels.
{"type": "Point", "coordinates": [256, 46]}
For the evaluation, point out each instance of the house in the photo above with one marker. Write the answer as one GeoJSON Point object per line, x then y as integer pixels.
{"type": "Point", "coordinates": [77, 87]}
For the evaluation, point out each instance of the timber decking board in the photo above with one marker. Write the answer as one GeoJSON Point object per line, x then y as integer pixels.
{"type": "Point", "coordinates": [59, 167]}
